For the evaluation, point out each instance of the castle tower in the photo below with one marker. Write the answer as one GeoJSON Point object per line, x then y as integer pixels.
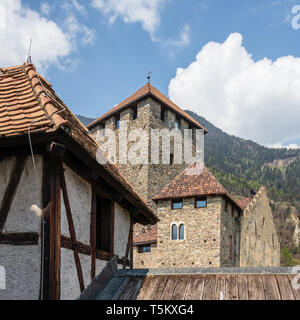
{"type": "Point", "coordinates": [147, 109]}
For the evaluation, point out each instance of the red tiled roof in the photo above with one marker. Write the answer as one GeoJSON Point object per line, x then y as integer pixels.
{"type": "Point", "coordinates": [147, 89]}
{"type": "Point", "coordinates": [199, 182]}
{"type": "Point", "coordinates": [243, 202]}
{"type": "Point", "coordinates": [146, 237]}
{"type": "Point", "coordinates": [27, 100]}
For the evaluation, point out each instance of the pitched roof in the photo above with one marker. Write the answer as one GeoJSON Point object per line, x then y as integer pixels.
{"type": "Point", "coordinates": [28, 102]}
{"type": "Point", "coordinates": [243, 202]}
{"type": "Point", "coordinates": [194, 181]}
{"type": "Point", "coordinates": [146, 90]}
{"type": "Point", "coordinates": [146, 236]}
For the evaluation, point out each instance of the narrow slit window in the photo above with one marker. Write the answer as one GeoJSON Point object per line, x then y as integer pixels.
{"type": "Point", "coordinates": [118, 121]}
{"type": "Point", "coordinates": [174, 232]}
{"type": "Point", "coordinates": [134, 113]}
{"type": "Point", "coordinates": [177, 204]}
{"type": "Point", "coordinates": [177, 123]}
{"type": "Point", "coordinates": [162, 114]}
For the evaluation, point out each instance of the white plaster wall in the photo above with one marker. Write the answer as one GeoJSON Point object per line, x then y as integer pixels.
{"type": "Point", "coordinates": [85, 261]}
{"type": "Point", "coordinates": [70, 288]}
{"type": "Point", "coordinates": [80, 197]}
{"type": "Point", "coordinates": [22, 265]}
{"type": "Point", "coordinates": [28, 193]}
{"type": "Point", "coordinates": [5, 171]}
{"type": "Point", "coordinates": [100, 265]}
{"type": "Point", "coordinates": [122, 226]}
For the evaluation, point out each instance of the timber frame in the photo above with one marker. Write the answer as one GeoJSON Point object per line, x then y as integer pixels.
{"type": "Point", "coordinates": [58, 149]}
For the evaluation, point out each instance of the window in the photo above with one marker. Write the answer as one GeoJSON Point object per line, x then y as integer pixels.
{"type": "Point", "coordinates": [117, 121]}
{"type": "Point", "coordinates": [177, 123]}
{"type": "Point", "coordinates": [171, 158]}
{"type": "Point", "coordinates": [177, 204]}
{"type": "Point", "coordinates": [263, 222]}
{"type": "Point", "coordinates": [174, 232]}
{"type": "Point", "coordinates": [162, 114]}
{"type": "Point", "coordinates": [134, 113]}
{"type": "Point", "coordinates": [144, 248]}
{"type": "Point", "coordinates": [104, 225]}
{"type": "Point", "coordinates": [226, 206]}
{"type": "Point", "coordinates": [181, 232]}
{"type": "Point", "coordinates": [200, 202]}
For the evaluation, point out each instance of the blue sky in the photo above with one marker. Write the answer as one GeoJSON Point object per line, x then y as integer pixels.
{"type": "Point", "coordinates": [104, 49]}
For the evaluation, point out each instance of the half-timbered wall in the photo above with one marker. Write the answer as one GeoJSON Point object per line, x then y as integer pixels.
{"type": "Point", "coordinates": [21, 262]}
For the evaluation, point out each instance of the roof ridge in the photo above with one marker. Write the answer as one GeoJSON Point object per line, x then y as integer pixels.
{"type": "Point", "coordinates": [254, 200]}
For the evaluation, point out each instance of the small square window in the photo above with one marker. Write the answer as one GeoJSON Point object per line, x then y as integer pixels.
{"type": "Point", "coordinates": [200, 202]}
{"type": "Point", "coordinates": [144, 248]}
{"type": "Point", "coordinates": [177, 204]}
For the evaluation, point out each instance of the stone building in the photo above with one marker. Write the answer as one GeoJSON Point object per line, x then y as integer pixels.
{"type": "Point", "coordinates": [259, 241]}
{"type": "Point", "coordinates": [63, 215]}
{"type": "Point", "coordinates": [208, 235]}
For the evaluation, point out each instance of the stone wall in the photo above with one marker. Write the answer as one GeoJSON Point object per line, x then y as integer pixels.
{"type": "Point", "coordinates": [259, 241]}
{"type": "Point", "coordinates": [201, 247]}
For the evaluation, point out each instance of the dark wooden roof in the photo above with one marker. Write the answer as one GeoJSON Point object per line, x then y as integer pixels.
{"type": "Point", "coordinates": [147, 90]}
{"type": "Point", "coordinates": [210, 287]}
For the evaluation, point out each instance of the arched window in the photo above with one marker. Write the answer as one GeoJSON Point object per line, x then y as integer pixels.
{"type": "Point", "coordinates": [174, 232]}
{"type": "Point", "coordinates": [181, 232]}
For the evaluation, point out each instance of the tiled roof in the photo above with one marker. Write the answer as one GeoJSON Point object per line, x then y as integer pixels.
{"type": "Point", "coordinates": [244, 202]}
{"type": "Point", "coordinates": [28, 101]}
{"type": "Point", "coordinates": [194, 181]}
{"type": "Point", "coordinates": [147, 89]}
{"type": "Point", "coordinates": [146, 236]}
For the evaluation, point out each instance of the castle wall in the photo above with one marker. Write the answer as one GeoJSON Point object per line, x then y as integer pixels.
{"type": "Point", "coordinates": [259, 241]}
{"type": "Point", "coordinates": [201, 247]}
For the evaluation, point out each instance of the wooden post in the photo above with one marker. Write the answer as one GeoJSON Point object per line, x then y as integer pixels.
{"type": "Point", "coordinates": [131, 243]}
{"type": "Point", "coordinates": [93, 234]}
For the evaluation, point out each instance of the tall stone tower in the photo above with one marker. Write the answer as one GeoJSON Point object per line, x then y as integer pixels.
{"type": "Point", "coordinates": [147, 109]}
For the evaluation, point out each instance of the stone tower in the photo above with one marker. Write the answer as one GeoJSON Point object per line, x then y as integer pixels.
{"type": "Point", "coordinates": [147, 109]}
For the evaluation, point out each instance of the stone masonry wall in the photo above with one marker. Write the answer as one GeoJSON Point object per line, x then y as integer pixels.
{"type": "Point", "coordinates": [201, 247]}
{"type": "Point", "coordinates": [259, 241]}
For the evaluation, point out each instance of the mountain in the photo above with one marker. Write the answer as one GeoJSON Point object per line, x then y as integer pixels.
{"type": "Point", "coordinates": [243, 165]}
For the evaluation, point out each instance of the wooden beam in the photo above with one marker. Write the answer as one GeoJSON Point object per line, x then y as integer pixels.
{"type": "Point", "coordinates": [93, 234]}
{"type": "Point", "coordinates": [10, 192]}
{"type": "Point", "coordinates": [112, 230]}
{"type": "Point", "coordinates": [131, 243]}
{"type": "Point", "coordinates": [71, 226]}
{"type": "Point", "coordinates": [20, 239]}
{"type": "Point", "coordinates": [55, 234]}
{"type": "Point", "coordinates": [83, 248]}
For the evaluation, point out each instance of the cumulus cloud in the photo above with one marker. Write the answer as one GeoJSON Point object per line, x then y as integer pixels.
{"type": "Point", "coordinates": [22, 24]}
{"type": "Point", "coordinates": [53, 42]}
{"type": "Point", "coordinates": [183, 38]}
{"type": "Point", "coordinates": [256, 100]}
{"type": "Point", "coordinates": [146, 12]}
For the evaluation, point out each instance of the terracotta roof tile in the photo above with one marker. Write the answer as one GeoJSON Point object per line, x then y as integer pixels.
{"type": "Point", "coordinates": [146, 236]}
{"type": "Point", "coordinates": [244, 202]}
{"type": "Point", "coordinates": [194, 181]}
{"type": "Point", "coordinates": [147, 89]}
{"type": "Point", "coordinates": [27, 100]}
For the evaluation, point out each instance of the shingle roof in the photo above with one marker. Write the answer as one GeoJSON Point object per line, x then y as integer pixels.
{"type": "Point", "coordinates": [148, 236]}
{"type": "Point", "coordinates": [244, 202]}
{"type": "Point", "coordinates": [198, 182]}
{"type": "Point", "coordinates": [146, 90]}
{"type": "Point", "coordinates": [27, 100]}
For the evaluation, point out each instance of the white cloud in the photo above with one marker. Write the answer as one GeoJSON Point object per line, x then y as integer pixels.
{"type": "Point", "coordinates": [257, 100]}
{"type": "Point", "coordinates": [289, 146]}
{"type": "Point", "coordinates": [49, 41]}
{"type": "Point", "coordinates": [183, 39]}
{"type": "Point", "coordinates": [52, 43]}
{"type": "Point", "coordinates": [146, 12]}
